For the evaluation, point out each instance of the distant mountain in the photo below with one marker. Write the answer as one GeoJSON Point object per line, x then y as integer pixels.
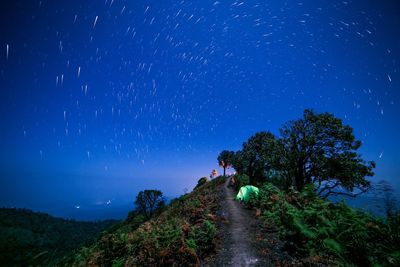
{"type": "Point", "coordinates": [33, 238]}
{"type": "Point", "coordinates": [366, 202]}
{"type": "Point", "coordinates": [369, 202]}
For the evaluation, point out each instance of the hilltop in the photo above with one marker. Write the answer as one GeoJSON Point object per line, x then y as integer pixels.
{"type": "Point", "coordinates": [207, 227]}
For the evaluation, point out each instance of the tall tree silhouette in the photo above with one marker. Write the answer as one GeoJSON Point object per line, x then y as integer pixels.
{"type": "Point", "coordinates": [148, 202]}
{"type": "Point", "coordinates": [225, 159]}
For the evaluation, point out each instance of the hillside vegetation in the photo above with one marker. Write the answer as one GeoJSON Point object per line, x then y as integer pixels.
{"type": "Point", "coordinates": [312, 159]}
{"type": "Point", "coordinates": [183, 234]}
{"type": "Point", "coordinates": [320, 232]}
{"type": "Point", "coordinates": [32, 238]}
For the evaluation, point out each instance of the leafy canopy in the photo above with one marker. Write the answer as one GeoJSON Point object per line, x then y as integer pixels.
{"type": "Point", "coordinates": [317, 149]}
{"type": "Point", "coordinates": [320, 149]}
{"type": "Point", "coordinates": [257, 156]}
{"type": "Point", "coordinates": [148, 202]}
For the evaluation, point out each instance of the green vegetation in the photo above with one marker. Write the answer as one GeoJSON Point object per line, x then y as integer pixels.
{"type": "Point", "coordinates": [332, 234]}
{"type": "Point", "coordinates": [317, 149]}
{"type": "Point", "coordinates": [241, 180]}
{"type": "Point", "coordinates": [316, 157]}
{"type": "Point", "coordinates": [258, 156]}
{"type": "Point", "coordinates": [32, 238]}
{"type": "Point", "coordinates": [182, 234]}
{"type": "Point", "coordinates": [201, 181]}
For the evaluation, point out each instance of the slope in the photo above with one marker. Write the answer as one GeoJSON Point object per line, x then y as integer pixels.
{"type": "Point", "coordinates": [186, 233]}
{"type": "Point", "coordinates": [33, 238]}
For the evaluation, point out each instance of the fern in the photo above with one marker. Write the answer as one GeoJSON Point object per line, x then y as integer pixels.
{"type": "Point", "coordinates": [317, 227]}
{"type": "Point", "coordinates": [332, 246]}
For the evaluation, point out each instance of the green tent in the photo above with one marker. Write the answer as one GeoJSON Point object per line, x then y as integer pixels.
{"type": "Point", "coordinates": [244, 192]}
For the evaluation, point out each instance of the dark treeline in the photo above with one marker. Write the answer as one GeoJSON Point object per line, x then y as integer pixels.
{"type": "Point", "coordinates": [317, 150]}
{"type": "Point", "coordinates": [37, 239]}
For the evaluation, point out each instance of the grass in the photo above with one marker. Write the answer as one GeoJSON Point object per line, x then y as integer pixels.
{"type": "Point", "coordinates": [181, 235]}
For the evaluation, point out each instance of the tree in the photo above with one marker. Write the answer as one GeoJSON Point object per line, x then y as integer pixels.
{"type": "Point", "coordinates": [319, 149]}
{"type": "Point", "coordinates": [257, 157]}
{"type": "Point", "coordinates": [238, 162]}
{"type": "Point", "coordinates": [149, 202]}
{"type": "Point", "coordinates": [225, 159]}
{"type": "Point", "coordinates": [201, 181]}
{"type": "Point", "coordinates": [386, 192]}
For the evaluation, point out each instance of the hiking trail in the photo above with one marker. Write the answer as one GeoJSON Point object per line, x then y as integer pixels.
{"type": "Point", "coordinates": [239, 241]}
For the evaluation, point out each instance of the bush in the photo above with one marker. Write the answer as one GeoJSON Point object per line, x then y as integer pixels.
{"type": "Point", "coordinates": [201, 181]}
{"type": "Point", "coordinates": [253, 200]}
{"type": "Point", "coordinates": [202, 237]}
{"type": "Point", "coordinates": [241, 180]}
{"type": "Point", "coordinates": [311, 226]}
{"type": "Point", "coordinates": [179, 236]}
{"type": "Point", "coordinates": [135, 219]}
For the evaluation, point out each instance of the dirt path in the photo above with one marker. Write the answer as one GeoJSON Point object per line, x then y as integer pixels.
{"type": "Point", "coordinates": [239, 246]}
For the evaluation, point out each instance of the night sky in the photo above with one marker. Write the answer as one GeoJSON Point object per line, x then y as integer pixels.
{"type": "Point", "coordinates": [100, 99]}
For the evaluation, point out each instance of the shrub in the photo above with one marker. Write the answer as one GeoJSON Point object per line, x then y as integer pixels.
{"type": "Point", "coordinates": [253, 199]}
{"type": "Point", "coordinates": [135, 219]}
{"type": "Point", "coordinates": [311, 226]}
{"type": "Point", "coordinates": [178, 236]}
{"type": "Point", "coordinates": [203, 237]}
{"type": "Point", "coordinates": [241, 180]}
{"type": "Point", "coordinates": [201, 181]}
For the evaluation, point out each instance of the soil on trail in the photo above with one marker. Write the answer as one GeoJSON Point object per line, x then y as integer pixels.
{"type": "Point", "coordinates": [238, 247]}
{"type": "Point", "coordinates": [239, 241]}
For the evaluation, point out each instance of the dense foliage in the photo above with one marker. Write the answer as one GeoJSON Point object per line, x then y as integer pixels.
{"type": "Point", "coordinates": [257, 157]}
{"type": "Point", "coordinates": [317, 149]}
{"type": "Point", "coordinates": [320, 149]}
{"type": "Point", "coordinates": [240, 180]}
{"type": "Point", "coordinates": [332, 234]}
{"type": "Point", "coordinates": [182, 234]}
{"type": "Point", "coordinates": [32, 238]}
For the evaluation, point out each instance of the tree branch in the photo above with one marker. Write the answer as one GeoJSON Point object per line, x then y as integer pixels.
{"type": "Point", "coordinates": [349, 194]}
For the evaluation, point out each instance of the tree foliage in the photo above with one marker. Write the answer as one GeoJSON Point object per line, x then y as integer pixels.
{"type": "Point", "coordinates": [390, 204]}
{"type": "Point", "coordinates": [316, 149]}
{"type": "Point", "coordinates": [257, 156]}
{"type": "Point", "coordinates": [319, 149]}
{"type": "Point", "coordinates": [149, 202]}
